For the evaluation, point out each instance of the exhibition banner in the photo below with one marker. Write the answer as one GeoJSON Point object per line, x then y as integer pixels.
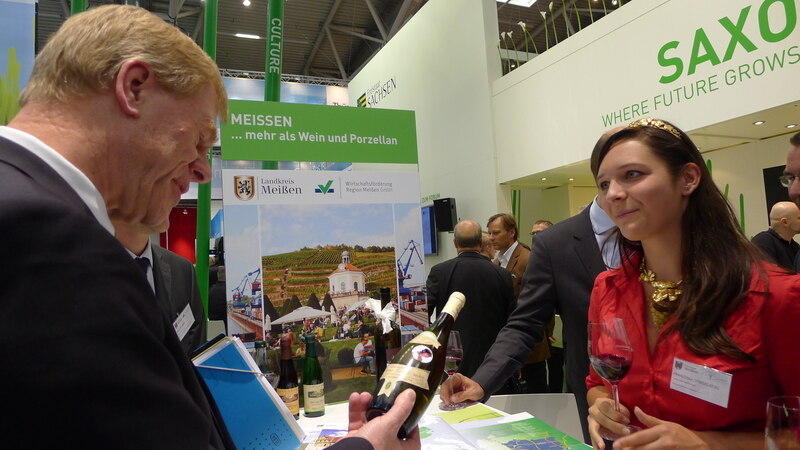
{"type": "Point", "coordinates": [307, 250]}
{"type": "Point", "coordinates": [16, 53]}
{"type": "Point", "coordinates": [295, 132]}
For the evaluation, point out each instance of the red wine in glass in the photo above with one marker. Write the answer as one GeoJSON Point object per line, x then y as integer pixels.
{"type": "Point", "coordinates": [611, 355]}
{"type": "Point", "coordinates": [611, 367]}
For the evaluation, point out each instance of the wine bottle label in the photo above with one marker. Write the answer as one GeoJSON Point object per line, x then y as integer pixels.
{"type": "Point", "coordinates": [314, 397]}
{"type": "Point", "coordinates": [400, 372]}
{"type": "Point", "coordinates": [426, 338]}
{"type": "Point", "coordinates": [291, 397]}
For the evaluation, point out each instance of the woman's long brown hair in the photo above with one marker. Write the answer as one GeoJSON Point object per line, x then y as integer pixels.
{"type": "Point", "coordinates": [717, 258]}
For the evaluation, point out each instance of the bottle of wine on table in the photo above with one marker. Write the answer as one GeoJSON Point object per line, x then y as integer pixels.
{"type": "Point", "coordinates": [386, 344]}
{"type": "Point", "coordinates": [288, 388]}
{"type": "Point", "coordinates": [313, 385]}
{"type": "Point", "coordinates": [419, 366]}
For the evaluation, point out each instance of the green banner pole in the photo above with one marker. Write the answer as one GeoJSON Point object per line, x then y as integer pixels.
{"type": "Point", "coordinates": [204, 190]}
{"type": "Point", "coordinates": [78, 6]}
{"type": "Point", "coordinates": [274, 60]}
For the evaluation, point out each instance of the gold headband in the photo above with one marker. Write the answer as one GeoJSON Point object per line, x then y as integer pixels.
{"type": "Point", "coordinates": [655, 123]}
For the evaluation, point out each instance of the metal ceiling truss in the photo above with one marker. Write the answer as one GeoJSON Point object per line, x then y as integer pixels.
{"type": "Point", "coordinates": [305, 79]}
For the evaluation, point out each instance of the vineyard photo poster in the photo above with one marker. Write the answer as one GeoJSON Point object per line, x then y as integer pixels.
{"type": "Point", "coordinates": [305, 250]}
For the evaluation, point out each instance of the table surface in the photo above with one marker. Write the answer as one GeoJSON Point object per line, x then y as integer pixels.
{"type": "Point", "coordinates": [558, 410]}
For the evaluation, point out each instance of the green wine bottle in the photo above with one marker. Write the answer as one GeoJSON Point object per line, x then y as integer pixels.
{"type": "Point", "coordinates": [313, 386]}
{"type": "Point", "coordinates": [288, 389]}
{"type": "Point", "coordinates": [419, 366]}
{"type": "Point", "coordinates": [386, 344]}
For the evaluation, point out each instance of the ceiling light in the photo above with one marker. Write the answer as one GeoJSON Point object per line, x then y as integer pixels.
{"type": "Point", "coordinates": [525, 3]}
{"type": "Point", "coordinates": [247, 36]}
{"type": "Point", "coordinates": [544, 178]}
{"type": "Point", "coordinates": [572, 179]}
{"type": "Point", "coordinates": [791, 125]}
{"type": "Point", "coordinates": [246, 2]}
{"type": "Point", "coordinates": [758, 122]}
{"type": "Point", "coordinates": [614, 2]}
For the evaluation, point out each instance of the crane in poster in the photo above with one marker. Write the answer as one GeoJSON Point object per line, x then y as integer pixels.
{"type": "Point", "coordinates": [250, 286]}
{"type": "Point", "coordinates": [249, 281]}
{"type": "Point", "coordinates": [403, 266]}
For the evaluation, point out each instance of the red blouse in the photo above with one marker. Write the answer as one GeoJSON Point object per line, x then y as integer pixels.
{"type": "Point", "coordinates": [766, 325]}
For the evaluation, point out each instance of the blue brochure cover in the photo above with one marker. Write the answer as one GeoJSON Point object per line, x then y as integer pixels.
{"type": "Point", "coordinates": [255, 416]}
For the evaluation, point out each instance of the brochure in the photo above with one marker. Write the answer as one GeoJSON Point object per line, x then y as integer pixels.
{"type": "Point", "coordinates": [254, 415]}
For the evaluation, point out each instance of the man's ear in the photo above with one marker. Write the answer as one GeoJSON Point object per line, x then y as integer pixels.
{"type": "Point", "coordinates": [132, 79]}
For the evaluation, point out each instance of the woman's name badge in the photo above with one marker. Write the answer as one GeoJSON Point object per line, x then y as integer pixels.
{"type": "Point", "coordinates": [701, 382]}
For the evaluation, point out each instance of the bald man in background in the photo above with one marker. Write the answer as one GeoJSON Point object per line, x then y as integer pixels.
{"type": "Point", "coordinates": [777, 241]}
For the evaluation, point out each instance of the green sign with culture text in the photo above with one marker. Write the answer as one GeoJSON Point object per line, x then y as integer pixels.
{"type": "Point", "coordinates": [275, 131]}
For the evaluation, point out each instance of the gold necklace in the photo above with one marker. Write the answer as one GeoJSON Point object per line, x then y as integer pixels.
{"type": "Point", "coordinates": [664, 299]}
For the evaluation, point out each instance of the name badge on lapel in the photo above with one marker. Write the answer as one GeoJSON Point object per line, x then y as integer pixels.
{"type": "Point", "coordinates": [183, 322]}
{"type": "Point", "coordinates": [702, 382]}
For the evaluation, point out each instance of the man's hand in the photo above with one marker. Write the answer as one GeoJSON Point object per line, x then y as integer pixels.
{"type": "Point", "coordinates": [381, 432]}
{"type": "Point", "coordinates": [459, 388]}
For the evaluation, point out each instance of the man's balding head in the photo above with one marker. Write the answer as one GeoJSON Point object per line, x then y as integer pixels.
{"type": "Point", "coordinates": [784, 218]}
{"type": "Point", "coordinates": [467, 235]}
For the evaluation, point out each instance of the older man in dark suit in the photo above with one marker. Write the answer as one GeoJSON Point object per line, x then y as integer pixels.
{"type": "Point", "coordinates": [487, 288]}
{"type": "Point", "coordinates": [116, 120]}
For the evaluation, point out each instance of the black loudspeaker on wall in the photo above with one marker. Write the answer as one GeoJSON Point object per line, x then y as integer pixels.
{"type": "Point", "coordinates": [444, 210]}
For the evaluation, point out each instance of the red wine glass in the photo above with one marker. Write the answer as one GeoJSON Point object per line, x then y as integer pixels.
{"type": "Point", "coordinates": [452, 360]}
{"type": "Point", "coordinates": [611, 355]}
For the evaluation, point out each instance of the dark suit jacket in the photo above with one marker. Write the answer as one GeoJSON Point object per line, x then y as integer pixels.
{"type": "Point", "coordinates": [563, 265]}
{"type": "Point", "coordinates": [176, 286]}
{"type": "Point", "coordinates": [517, 264]}
{"type": "Point", "coordinates": [88, 354]}
{"type": "Point", "coordinates": [489, 300]}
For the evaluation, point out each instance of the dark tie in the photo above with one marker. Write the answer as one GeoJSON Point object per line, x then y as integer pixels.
{"type": "Point", "coordinates": [144, 264]}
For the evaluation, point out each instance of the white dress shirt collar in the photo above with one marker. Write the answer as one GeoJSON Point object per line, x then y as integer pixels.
{"type": "Point", "coordinates": [506, 256]}
{"type": "Point", "coordinates": [146, 253]}
{"type": "Point", "coordinates": [76, 179]}
{"type": "Point", "coordinates": [607, 240]}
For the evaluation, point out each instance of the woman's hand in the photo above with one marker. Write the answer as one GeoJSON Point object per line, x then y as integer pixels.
{"type": "Point", "coordinates": [603, 419]}
{"type": "Point", "coordinates": [660, 434]}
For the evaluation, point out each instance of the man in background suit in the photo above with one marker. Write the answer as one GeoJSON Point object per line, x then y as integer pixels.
{"type": "Point", "coordinates": [173, 280]}
{"type": "Point", "coordinates": [487, 288]}
{"type": "Point", "coordinates": [513, 256]}
{"type": "Point", "coordinates": [565, 260]}
{"type": "Point", "coordinates": [116, 120]}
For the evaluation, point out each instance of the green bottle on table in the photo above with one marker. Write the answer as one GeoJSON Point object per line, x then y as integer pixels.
{"type": "Point", "coordinates": [313, 386]}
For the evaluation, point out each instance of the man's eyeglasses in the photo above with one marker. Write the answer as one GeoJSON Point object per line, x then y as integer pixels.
{"type": "Point", "coordinates": [534, 233]}
{"type": "Point", "coordinates": [787, 180]}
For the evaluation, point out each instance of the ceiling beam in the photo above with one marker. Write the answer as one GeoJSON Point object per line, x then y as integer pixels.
{"type": "Point", "coordinates": [65, 7]}
{"type": "Point", "coordinates": [400, 18]}
{"type": "Point", "coordinates": [349, 31]}
{"type": "Point", "coordinates": [198, 26]}
{"type": "Point", "coordinates": [174, 8]}
{"type": "Point", "coordinates": [181, 15]}
{"type": "Point", "coordinates": [318, 41]}
{"type": "Point", "coordinates": [377, 18]}
{"type": "Point", "coordinates": [335, 53]}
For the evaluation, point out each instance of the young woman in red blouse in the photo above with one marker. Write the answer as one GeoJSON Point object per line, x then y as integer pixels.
{"type": "Point", "coordinates": [713, 328]}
